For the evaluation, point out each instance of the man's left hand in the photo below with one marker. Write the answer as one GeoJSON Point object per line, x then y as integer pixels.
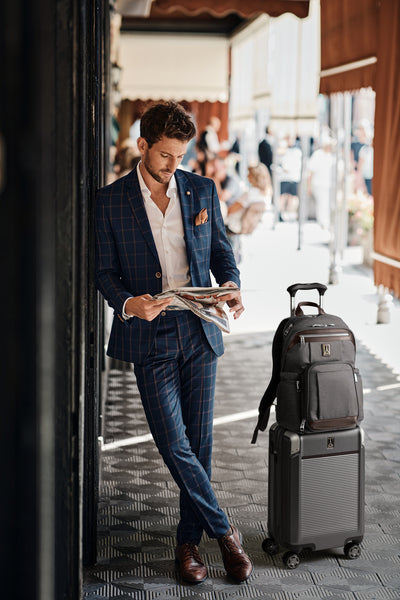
{"type": "Point", "coordinates": [234, 300]}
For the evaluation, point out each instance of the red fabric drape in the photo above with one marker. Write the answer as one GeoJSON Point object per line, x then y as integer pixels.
{"type": "Point", "coordinates": [353, 30]}
{"type": "Point", "coordinates": [348, 34]}
{"type": "Point", "coordinates": [247, 8]}
{"type": "Point", "coordinates": [204, 110]}
{"type": "Point", "coordinates": [386, 185]}
{"type": "Point", "coordinates": [131, 110]}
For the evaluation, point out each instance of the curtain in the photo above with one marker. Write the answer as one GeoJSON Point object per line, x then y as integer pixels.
{"type": "Point", "coordinates": [348, 36]}
{"type": "Point", "coordinates": [386, 185]}
{"type": "Point", "coordinates": [365, 34]}
{"type": "Point", "coordinates": [131, 110]}
{"type": "Point", "coordinates": [247, 8]}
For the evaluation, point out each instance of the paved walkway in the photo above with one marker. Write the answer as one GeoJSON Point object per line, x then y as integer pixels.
{"type": "Point", "coordinates": [138, 510]}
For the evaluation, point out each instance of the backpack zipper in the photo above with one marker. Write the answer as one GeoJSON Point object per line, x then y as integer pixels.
{"type": "Point", "coordinates": [312, 336]}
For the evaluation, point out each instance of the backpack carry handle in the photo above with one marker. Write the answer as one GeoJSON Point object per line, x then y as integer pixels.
{"type": "Point", "coordinates": [299, 311]}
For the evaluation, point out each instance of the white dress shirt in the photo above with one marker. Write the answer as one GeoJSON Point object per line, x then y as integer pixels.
{"type": "Point", "coordinates": [168, 237]}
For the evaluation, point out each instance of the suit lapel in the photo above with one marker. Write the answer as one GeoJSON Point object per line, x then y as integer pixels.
{"type": "Point", "coordinates": [186, 195]}
{"type": "Point", "coordinates": [136, 202]}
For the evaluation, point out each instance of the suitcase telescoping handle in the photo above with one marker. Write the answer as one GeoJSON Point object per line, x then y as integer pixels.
{"type": "Point", "coordinates": [293, 289]}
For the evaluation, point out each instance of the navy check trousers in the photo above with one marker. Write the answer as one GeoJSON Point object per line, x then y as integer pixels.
{"type": "Point", "coordinates": [177, 384]}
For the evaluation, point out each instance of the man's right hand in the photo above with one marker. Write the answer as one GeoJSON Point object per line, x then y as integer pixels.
{"type": "Point", "coordinates": [145, 307]}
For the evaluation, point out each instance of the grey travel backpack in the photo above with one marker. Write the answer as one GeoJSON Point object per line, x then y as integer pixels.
{"type": "Point", "coordinates": [314, 379]}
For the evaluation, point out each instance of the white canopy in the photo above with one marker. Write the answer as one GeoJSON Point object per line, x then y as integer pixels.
{"type": "Point", "coordinates": [275, 68]}
{"type": "Point", "coordinates": [171, 66]}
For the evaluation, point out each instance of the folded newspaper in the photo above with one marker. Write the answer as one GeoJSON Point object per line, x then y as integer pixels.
{"type": "Point", "coordinates": [205, 302]}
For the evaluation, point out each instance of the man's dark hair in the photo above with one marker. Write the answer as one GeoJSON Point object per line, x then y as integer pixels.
{"type": "Point", "coordinates": [167, 119]}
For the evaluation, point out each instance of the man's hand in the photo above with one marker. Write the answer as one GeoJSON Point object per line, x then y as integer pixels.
{"type": "Point", "coordinates": [233, 300]}
{"type": "Point", "coordinates": [145, 307]}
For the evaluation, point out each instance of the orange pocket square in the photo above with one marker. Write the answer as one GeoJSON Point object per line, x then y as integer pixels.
{"type": "Point", "coordinates": [202, 217]}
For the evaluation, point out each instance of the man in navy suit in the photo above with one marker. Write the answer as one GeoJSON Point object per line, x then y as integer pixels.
{"type": "Point", "coordinates": [159, 228]}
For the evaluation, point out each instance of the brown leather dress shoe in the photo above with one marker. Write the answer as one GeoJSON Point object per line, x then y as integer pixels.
{"type": "Point", "coordinates": [191, 566]}
{"type": "Point", "coordinates": [236, 562]}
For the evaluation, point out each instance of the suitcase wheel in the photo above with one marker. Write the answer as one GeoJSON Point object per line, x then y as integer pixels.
{"type": "Point", "coordinates": [270, 547]}
{"type": "Point", "coordinates": [291, 560]}
{"type": "Point", "coordinates": [352, 550]}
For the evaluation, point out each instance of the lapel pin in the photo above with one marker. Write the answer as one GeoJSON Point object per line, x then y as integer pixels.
{"type": "Point", "coordinates": [188, 193]}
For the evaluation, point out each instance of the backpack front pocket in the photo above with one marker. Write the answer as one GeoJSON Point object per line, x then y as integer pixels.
{"type": "Point", "coordinates": [332, 392]}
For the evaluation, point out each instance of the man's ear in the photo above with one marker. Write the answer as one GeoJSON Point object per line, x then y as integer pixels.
{"type": "Point", "coordinates": [142, 145]}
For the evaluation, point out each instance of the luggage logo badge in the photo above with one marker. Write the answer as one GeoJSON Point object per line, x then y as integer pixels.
{"type": "Point", "coordinates": [326, 349]}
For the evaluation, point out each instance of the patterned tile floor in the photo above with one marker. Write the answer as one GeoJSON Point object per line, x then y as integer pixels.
{"type": "Point", "coordinates": [138, 510]}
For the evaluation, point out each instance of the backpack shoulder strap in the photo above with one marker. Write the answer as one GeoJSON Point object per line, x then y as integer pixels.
{"type": "Point", "coordinates": [270, 393]}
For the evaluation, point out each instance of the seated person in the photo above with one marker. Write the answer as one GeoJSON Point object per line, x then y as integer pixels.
{"type": "Point", "coordinates": [245, 214]}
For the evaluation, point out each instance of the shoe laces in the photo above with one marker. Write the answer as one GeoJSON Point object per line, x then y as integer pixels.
{"type": "Point", "coordinates": [190, 550]}
{"type": "Point", "coordinates": [231, 544]}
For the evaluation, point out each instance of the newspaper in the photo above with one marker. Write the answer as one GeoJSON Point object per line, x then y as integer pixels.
{"type": "Point", "coordinates": [205, 302]}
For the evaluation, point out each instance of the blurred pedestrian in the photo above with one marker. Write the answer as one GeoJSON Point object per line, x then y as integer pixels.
{"type": "Point", "coordinates": [265, 152]}
{"type": "Point", "coordinates": [291, 162]}
{"type": "Point", "coordinates": [320, 169]}
{"type": "Point", "coordinates": [363, 156]}
{"type": "Point", "coordinates": [246, 213]}
{"type": "Point", "coordinates": [209, 140]}
{"type": "Point", "coordinates": [366, 165]}
{"type": "Point", "coordinates": [234, 156]}
{"type": "Point", "coordinates": [229, 188]}
{"type": "Point", "coordinates": [126, 158]}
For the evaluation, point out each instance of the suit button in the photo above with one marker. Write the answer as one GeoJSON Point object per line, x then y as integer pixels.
{"type": "Point", "coordinates": [158, 275]}
{"type": "Point", "coordinates": [163, 313]}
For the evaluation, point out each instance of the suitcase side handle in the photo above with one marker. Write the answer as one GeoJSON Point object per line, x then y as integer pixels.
{"type": "Point", "coordinates": [293, 289]}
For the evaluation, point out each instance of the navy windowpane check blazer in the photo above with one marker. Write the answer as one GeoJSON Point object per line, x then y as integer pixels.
{"type": "Point", "coordinates": [127, 263]}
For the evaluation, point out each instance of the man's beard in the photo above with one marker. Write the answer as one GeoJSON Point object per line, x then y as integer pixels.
{"type": "Point", "coordinates": [155, 175]}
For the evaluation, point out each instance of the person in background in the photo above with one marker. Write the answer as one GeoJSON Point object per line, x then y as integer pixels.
{"type": "Point", "coordinates": [291, 162]}
{"type": "Point", "coordinates": [229, 185]}
{"type": "Point", "coordinates": [246, 213]}
{"type": "Point", "coordinates": [366, 165]}
{"type": "Point", "coordinates": [363, 156]}
{"type": "Point", "coordinates": [198, 163]}
{"type": "Point", "coordinates": [234, 155]}
{"type": "Point", "coordinates": [126, 158]}
{"type": "Point", "coordinates": [209, 140]}
{"type": "Point", "coordinates": [265, 152]}
{"type": "Point", "coordinates": [320, 180]}
{"type": "Point", "coordinates": [229, 188]}
{"type": "Point", "coordinates": [158, 228]}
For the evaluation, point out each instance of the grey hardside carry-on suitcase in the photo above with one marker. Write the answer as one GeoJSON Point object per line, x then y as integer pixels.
{"type": "Point", "coordinates": [315, 492]}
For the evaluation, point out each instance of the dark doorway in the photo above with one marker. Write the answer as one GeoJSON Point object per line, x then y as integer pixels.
{"type": "Point", "coordinates": [53, 131]}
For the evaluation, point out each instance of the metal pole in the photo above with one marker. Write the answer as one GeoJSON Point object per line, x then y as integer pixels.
{"type": "Point", "coordinates": [276, 181]}
{"type": "Point", "coordinates": [336, 118]}
{"type": "Point", "coordinates": [347, 171]}
{"type": "Point", "coordinates": [305, 144]}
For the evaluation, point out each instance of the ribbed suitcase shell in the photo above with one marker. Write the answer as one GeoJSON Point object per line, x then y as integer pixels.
{"type": "Point", "coordinates": [315, 488]}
